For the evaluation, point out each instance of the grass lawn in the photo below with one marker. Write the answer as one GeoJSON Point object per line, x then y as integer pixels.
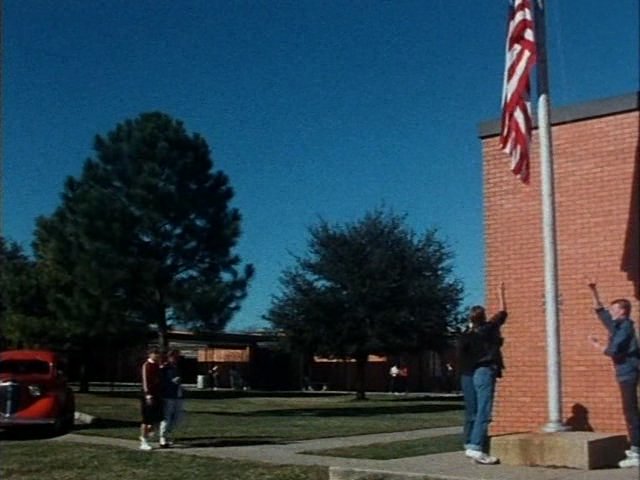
{"type": "Point", "coordinates": [400, 449]}
{"type": "Point", "coordinates": [37, 460]}
{"type": "Point", "coordinates": [221, 418]}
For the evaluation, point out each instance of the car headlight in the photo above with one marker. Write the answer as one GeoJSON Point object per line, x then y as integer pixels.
{"type": "Point", "coordinates": [35, 390]}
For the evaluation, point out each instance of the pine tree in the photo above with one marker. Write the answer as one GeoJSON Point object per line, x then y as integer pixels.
{"type": "Point", "coordinates": [146, 235]}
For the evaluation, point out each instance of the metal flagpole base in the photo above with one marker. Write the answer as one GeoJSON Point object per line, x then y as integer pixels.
{"type": "Point", "coordinates": [553, 427]}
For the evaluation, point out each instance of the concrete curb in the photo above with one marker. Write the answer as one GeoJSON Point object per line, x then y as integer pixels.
{"type": "Point", "coordinates": [442, 466]}
{"type": "Point", "coordinates": [340, 473]}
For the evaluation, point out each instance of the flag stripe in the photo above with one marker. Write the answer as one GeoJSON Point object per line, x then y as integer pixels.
{"type": "Point", "coordinates": [520, 58]}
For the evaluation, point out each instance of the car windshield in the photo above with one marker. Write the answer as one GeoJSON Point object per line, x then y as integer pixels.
{"type": "Point", "coordinates": [24, 367]}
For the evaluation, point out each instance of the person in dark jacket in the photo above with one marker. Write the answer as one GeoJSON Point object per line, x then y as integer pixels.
{"type": "Point", "coordinates": [622, 347]}
{"type": "Point", "coordinates": [480, 362]}
{"type": "Point", "coordinates": [172, 397]}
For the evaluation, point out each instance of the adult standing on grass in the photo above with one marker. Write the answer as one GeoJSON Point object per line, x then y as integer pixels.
{"type": "Point", "coordinates": [622, 347]}
{"type": "Point", "coordinates": [172, 398]}
{"type": "Point", "coordinates": [151, 404]}
{"type": "Point", "coordinates": [393, 378]}
{"type": "Point", "coordinates": [214, 374]}
{"type": "Point", "coordinates": [403, 375]}
{"type": "Point", "coordinates": [480, 361]}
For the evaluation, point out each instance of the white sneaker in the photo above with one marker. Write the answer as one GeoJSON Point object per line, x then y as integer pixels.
{"type": "Point", "coordinates": [631, 454]}
{"type": "Point", "coordinates": [629, 462]}
{"type": "Point", "coordinates": [481, 457]}
{"type": "Point", "coordinates": [165, 442]}
{"type": "Point", "coordinates": [144, 445]}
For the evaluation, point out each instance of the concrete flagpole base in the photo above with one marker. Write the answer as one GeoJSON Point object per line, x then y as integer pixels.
{"type": "Point", "coordinates": [583, 450]}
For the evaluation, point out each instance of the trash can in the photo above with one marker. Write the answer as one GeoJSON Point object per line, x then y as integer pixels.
{"type": "Point", "coordinates": [203, 381]}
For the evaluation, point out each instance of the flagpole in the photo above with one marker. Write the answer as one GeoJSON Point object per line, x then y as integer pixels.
{"type": "Point", "coordinates": [1, 125]}
{"type": "Point", "coordinates": [554, 390]}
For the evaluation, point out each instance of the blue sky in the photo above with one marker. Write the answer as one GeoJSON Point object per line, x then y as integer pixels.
{"type": "Point", "coordinates": [314, 108]}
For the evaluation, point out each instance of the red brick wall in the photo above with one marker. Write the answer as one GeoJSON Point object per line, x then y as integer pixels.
{"type": "Point", "coordinates": [597, 166]}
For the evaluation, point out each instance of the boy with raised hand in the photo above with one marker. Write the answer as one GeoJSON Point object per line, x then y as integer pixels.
{"type": "Point", "coordinates": [622, 347]}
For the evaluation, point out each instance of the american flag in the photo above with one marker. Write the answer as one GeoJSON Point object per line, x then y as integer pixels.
{"type": "Point", "coordinates": [516, 107]}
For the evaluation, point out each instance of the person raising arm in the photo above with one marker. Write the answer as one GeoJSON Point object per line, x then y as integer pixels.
{"type": "Point", "coordinates": [622, 348]}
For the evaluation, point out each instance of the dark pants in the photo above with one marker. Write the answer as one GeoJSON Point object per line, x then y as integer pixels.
{"type": "Point", "coordinates": [629, 394]}
{"type": "Point", "coordinates": [151, 411]}
{"type": "Point", "coordinates": [393, 381]}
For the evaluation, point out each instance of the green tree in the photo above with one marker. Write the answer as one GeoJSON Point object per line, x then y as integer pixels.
{"type": "Point", "coordinates": [35, 313]}
{"type": "Point", "coordinates": [25, 317]}
{"type": "Point", "coordinates": [369, 287]}
{"type": "Point", "coordinates": [145, 235]}
{"type": "Point", "coordinates": [87, 297]}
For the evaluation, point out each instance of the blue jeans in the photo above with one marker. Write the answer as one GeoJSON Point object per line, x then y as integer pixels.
{"type": "Point", "coordinates": [173, 409]}
{"type": "Point", "coordinates": [478, 389]}
{"type": "Point", "coordinates": [470, 405]}
{"type": "Point", "coordinates": [629, 394]}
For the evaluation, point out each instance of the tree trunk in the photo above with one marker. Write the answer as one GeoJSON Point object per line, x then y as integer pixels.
{"type": "Point", "coordinates": [84, 379]}
{"type": "Point", "coordinates": [361, 364]}
{"type": "Point", "coordinates": [163, 329]}
{"type": "Point", "coordinates": [84, 369]}
{"type": "Point", "coordinates": [163, 339]}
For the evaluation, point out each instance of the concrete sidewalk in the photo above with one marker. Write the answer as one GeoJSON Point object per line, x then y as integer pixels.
{"type": "Point", "coordinates": [438, 466]}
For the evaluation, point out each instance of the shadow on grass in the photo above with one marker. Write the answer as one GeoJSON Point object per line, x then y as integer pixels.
{"type": "Point", "coordinates": [216, 442]}
{"type": "Point", "coordinates": [224, 394]}
{"type": "Point", "coordinates": [27, 434]}
{"type": "Point", "coordinates": [449, 398]}
{"type": "Point", "coordinates": [100, 423]}
{"type": "Point", "coordinates": [363, 411]}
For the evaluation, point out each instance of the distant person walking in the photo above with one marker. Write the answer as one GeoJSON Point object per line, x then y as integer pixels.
{"type": "Point", "coordinates": [214, 374]}
{"type": "Point", "coordinates": [403, 377]}
{"type": "Point", "coordinates": [172, 398]}
{"type": "Point", "coordinates": [151, 402]}
{"type": "Point", "coordinates": [394, 371]}
{"type": "Point", "coordinates": [622, 347]}
{"type": "Point", "coordinates": [480, 363]}
{"type": "Point", "coordinates": [235, 379]}
{"type": "Point", "coordinates": [449, 377]}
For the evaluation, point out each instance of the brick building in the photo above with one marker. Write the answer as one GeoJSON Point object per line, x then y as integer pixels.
{"type": "Point", "coordinates": [597, 185]}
